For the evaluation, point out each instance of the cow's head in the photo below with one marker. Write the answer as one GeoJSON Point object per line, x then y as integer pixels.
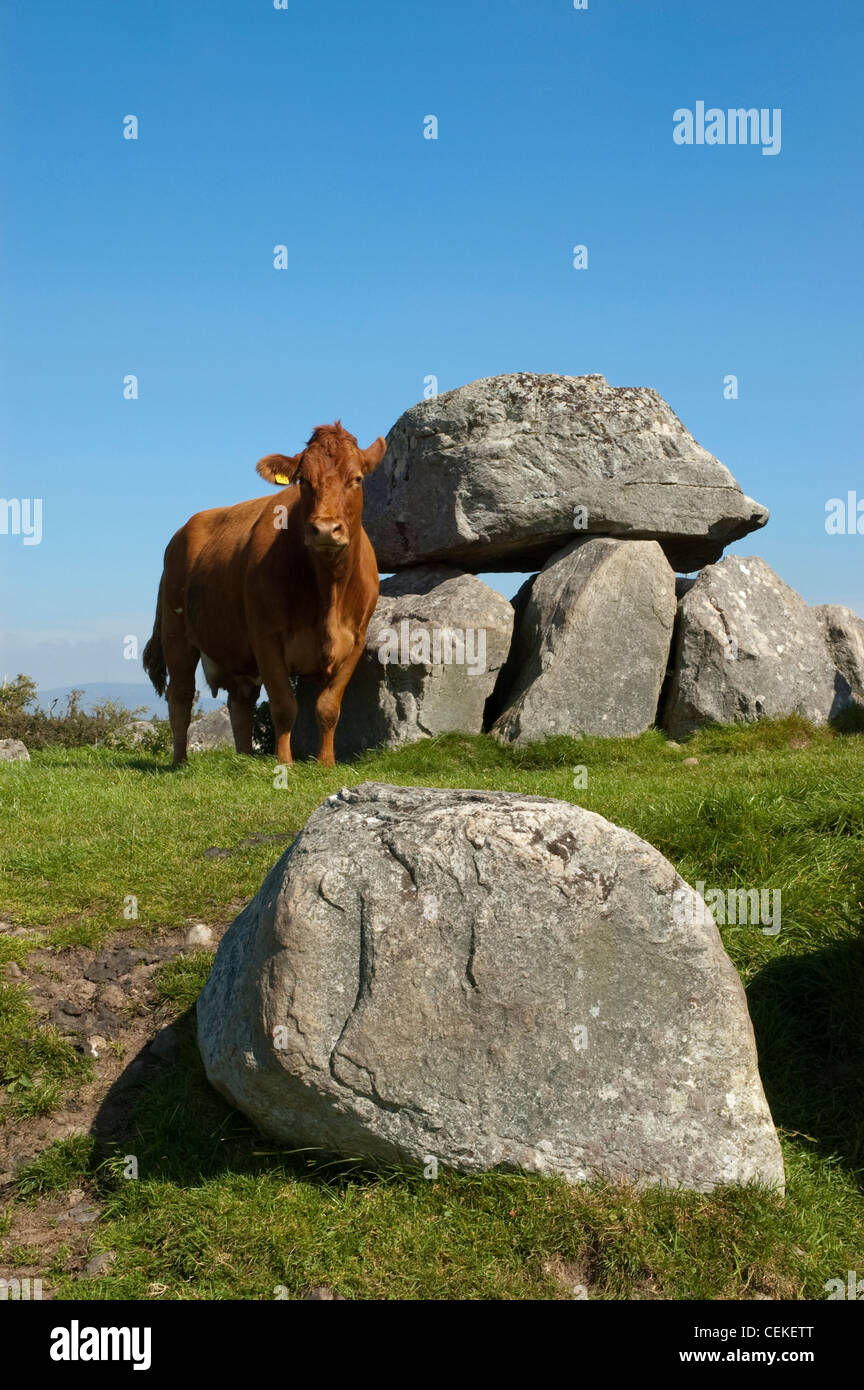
{"type": "Point", "coordinates": [329, 473]}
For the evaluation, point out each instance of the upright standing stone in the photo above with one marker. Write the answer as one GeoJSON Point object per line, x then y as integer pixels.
{"type": "Point", "coordinates": [592, 645]}
{"type": "Point", "coordinates": [748, 647]}
{"type": "Point", "coordinates": [434, 647]}
{"type": "Point", "coordinates": [844, 633]}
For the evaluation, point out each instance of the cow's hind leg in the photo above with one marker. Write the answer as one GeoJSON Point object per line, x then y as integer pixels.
{"type": "Point", "coordinates": [242, 699]}
{"type": "Point", "coordinates": [283, 701]}
{"type": "Point", "coordinates": [182, 661]}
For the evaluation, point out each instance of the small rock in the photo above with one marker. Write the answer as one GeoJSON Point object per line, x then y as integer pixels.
{"type": "Point", "coordinates": [138, 729]}
{"type": "Point", "coordinates": [200, 937]}
{"type": "Point", "coordinates": [98, 1264]}
{"type": "Point", "coordinates": [12, 750]}
{"type": "Point", "coordinates": [75, 1196]}
{"type": "Point", "coordinates": [212, 730]}
{"type": "Point", "coordinates": [165, 1044]}
{"type": "Point", "coordinates": [322, 1293]}
{"type": "Point", "coordinates": [69, 1131]}
{"type": "Point", "coordinates": [82, 1215]}
{"type": "Point", "coordinates": [673, 745]}
{"type": "Point", "coordinates": [96, 1045]}
{"type": "Point", "coordinates": [113, 964]}
{"type": "Point", "coordinates": [112, 997]}
{"type": "Point", "coordinates": [690, 762]}
{"type": "Point", "coordinates": [69, 1006]}
{"type": "Point", "coordinates": [13, 971]}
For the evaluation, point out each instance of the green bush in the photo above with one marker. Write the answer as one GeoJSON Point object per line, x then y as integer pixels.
{"type": "Point", "coordinates": [108, 725]}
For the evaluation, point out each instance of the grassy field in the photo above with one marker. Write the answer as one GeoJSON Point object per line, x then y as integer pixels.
{"type": "Point", "coordinates": [217, 1213]}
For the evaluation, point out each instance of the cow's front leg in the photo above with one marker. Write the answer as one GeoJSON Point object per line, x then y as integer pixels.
{"type": "Point", "coordinates": [329, 703]}
{"type": "Point", "coordinates": [283, 701]}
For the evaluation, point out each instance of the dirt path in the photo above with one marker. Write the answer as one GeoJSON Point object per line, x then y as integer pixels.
{"type": "Point", "coordinates": [106, 1004]}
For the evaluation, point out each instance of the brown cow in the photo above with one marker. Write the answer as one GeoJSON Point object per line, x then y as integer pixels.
{"type": "Point", "coordinates": [270, 589]}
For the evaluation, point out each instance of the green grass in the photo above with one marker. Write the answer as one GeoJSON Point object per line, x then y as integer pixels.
{"type": "Point", "coordinates": [216, 1213]}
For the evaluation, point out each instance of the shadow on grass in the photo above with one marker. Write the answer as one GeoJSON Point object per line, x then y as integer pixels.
{"type": "Point", "coordinates": [808, 1016]}
{"type": "Point", "coordinates": [166, 1114]}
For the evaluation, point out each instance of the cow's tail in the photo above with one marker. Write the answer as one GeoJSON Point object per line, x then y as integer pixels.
{"type": "Point", "coordinates": [154, 658]}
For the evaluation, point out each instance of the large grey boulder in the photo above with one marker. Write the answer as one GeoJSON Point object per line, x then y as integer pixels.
{"type": "Point", "coordinates": [12, 750]}
{"type": "Point", "coordinates": [487, 980]}
{"type": "Point", "coordinates": [212, 730]}
{"type": "Point", "coordinates": [748, 647]}
{"type": "Point", "coordinates": [844, 633]}
{"type": "Point", "coordinates": [592, 644]}
{"type": "Point", "coordinates": [434, 647]}
{"type": "Point", "coordinates": [490, 476]}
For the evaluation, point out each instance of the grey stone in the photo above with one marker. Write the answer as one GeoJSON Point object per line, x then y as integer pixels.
{"type": "Point", "coordinates": [113, 997]}
{"type": "Point", "coordinates": [212, 730]}
{"type": "Point", "coordinates": [138, 729]}
{"type": "Point", "coordinates": [488, 477]}
{"type": "Point", "coordinates": [112, 963]}
{"type": "Point", "coordinates": [12, 750]}
{"type": "Point", "coordinates": [748, 647]}
{"type": "Point", "coordinates": [844, 633]}
{"type": "Point", "coordinates": [592, 644]}
{"type": "Point", "coordinates": [199, 937]}
{"type": "Point", "coordinates": [98, 1265]}
{"type": "Point", "coordinates": [494, 981]}
{"type": "Point", "coordinates": [453, 636]}
{"type": "Point", "coordinates": [81, 1215]}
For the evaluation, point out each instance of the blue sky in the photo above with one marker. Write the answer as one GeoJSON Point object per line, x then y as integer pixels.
{"type": "Point", "coordinates": [407, 257]}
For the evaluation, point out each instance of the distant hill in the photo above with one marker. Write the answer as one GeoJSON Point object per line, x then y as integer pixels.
{"type": "Point", "coordinates": [128, 693]}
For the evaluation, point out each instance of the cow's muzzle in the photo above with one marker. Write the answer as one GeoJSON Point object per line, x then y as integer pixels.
{"type": "Point", "coordinates": [326, 536]}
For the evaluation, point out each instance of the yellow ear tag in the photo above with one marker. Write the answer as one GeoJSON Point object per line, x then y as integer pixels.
{"type": "Point", "coordinates": [283, 479]}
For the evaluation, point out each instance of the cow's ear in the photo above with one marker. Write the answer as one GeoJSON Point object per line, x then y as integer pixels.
{"type": "Point", "coordinates": [279, 468]}
{"type": "Point", "coordinates": [371, 457]}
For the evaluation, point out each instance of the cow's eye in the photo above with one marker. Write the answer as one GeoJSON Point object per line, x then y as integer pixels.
{"type": "Point", "coordinates": [358, 479]}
